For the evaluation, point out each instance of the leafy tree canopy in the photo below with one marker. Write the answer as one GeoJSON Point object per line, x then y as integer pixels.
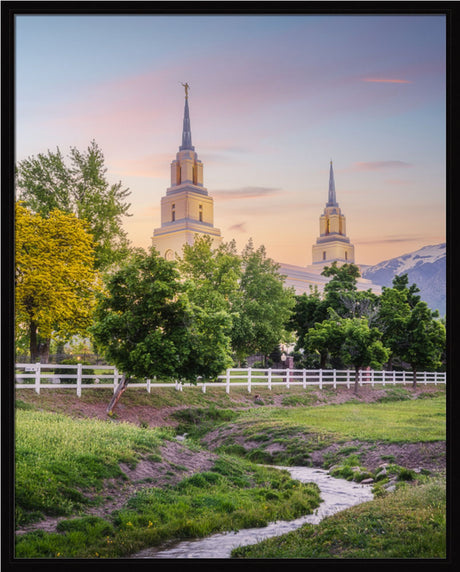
{"type": "Point", "coordinates": [264, 305]}
{"type": "Point", "coordinates": [55, 278]}
{"type": "Point", "coordinates": [45, 182]}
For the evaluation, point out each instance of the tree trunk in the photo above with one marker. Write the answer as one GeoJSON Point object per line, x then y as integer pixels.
{"type": "Point", "coordinates": [414, 379]}
{"type": "Point", "coordinates": [44, 350]}
{"type": "Point", "coordinates": [33, 343]}
{"type": "Point", "coordinates": [356, 379]}
{"type": "Point", "coordinates": [122, 386]}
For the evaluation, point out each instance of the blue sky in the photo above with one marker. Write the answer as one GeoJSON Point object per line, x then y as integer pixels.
{"type": "Point", "coordinates": [273, 99]}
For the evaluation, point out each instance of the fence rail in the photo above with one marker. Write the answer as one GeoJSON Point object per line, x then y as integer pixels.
{"type": "Point", "coordinates": [39, 376]}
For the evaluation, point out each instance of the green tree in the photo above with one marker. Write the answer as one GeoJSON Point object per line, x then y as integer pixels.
{"type": "Point", "coordinates": [326, 339]}
{"type": "Point", "coordinates": [400, 283]}
{"type": "Point", "coordinates": [264, 305]}
{"type": "Point", "coordinates": [55, 280]}
{"type": "Point", "coordinates": [308, 310]}
{"type": "Point", "coordinates": [410, 329]}
{"type": "Point", "coordinates": [211, 279]}
{"type": "Point", "coordinates": [362, 346]}
{"type": "Point", "coordinates": [424, 341]}
{"type": "Point", "coordinates": [45, 182]}
{"type": "Point", "coordinates": [394, 311]}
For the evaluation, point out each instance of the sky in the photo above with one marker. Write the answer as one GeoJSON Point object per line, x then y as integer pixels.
{"type": "Point", "coordinates": [273, 99]}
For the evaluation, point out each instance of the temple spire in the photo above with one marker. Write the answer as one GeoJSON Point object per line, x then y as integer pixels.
{"type": "Point", "coordinates": [332, 201]}
{"type": "Point", "coordinates": [186, 130]}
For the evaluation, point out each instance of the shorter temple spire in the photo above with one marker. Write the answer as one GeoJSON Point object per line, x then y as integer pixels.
{"type": "Point", "coordinates": [186, 130]}
{"type": "Point", "coordinates": [332, 201]}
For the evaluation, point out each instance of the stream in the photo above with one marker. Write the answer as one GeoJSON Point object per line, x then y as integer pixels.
{"type": "Point", "coordinates": [337, 495]}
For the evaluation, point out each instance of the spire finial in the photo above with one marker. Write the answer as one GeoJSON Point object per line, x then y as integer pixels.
{"type": "Point", "coordinates": [187, 87]}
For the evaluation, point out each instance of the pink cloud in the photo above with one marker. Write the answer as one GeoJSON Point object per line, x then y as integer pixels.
{"type": "Point", "coordinates": [385, 80]}
{"type": "Point", "coordinates": [245, 193]}
{"type": "Point", "coordinates": [379, 165]}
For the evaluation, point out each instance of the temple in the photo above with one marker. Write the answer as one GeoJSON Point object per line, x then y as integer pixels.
{"type": "Point", "coordinates": [332, 243]}
{"type": "Point", "coordinates": [187, 209]}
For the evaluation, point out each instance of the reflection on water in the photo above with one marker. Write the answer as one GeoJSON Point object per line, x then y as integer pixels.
{"type": "Point", "coordinates": [337, 494]}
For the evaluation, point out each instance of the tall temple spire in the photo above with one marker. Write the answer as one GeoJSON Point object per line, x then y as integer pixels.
{"type": "Point", "coordinates": [186, 130]}
{"type": "Point", "coordinates": [332, 243]}
{"type": "Point", "coordinates": [187, 210]}
{"type": "Point", "coordinates": [332, 201]}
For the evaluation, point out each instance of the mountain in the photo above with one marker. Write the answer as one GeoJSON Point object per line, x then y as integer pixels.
{"type": "Point", "coordinates": [425, 267]}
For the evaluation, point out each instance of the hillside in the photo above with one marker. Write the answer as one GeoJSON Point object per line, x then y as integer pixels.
{"type": "Point", "coordinates": [425, 267]}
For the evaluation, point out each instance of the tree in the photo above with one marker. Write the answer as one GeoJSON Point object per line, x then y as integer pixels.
{"type": "Point", "coordinates": [325, 338]}
{"type": "Point", "coordinates": [55, 280]}
{"type": "Point", "coordinates": [410, 329]}
{"type": "Point", "coordinates": [45, 182]}
{"type": "Point", "coordinates": [424, 341]}
{"type": "Point", "coordinates": [308, 310]}
{"type": "Point", "coordinates": [149, 323]}
{"type": "Point", "coordinates": [264, 305]}
{"type": "Point", "coordinates": [211, 279]}
{"type": "Point", "coordinates": [393, 314]}
{"type": "Point", "coordinates": [362, 346]}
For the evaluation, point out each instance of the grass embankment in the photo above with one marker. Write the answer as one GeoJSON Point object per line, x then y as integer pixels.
{"type": "Point", "coordinates": [61, 467]}
{"type": "Point", "coordinates": [292, 435]}
{"type": "Point", "coordinates": [409, 523]}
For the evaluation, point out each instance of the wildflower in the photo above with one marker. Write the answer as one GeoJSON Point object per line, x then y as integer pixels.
{"type": "Point", "coordinates": [129, 524]}
{"type": "Point", "coordinates": [150, 523]}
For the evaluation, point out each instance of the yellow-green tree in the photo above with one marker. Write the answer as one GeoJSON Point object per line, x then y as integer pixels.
{"type": "Point", "coordinates": [55, 279]}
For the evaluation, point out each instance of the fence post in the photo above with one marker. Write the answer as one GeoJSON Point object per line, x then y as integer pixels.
{"type": "Point", "coordinates": [79, 370]}
{"type": "Point", "coordinates": [383, 377]}
{"type": "Point", "coordinates": [394, 377]}
{"type": "Point", "coordinates": [115, 379]}
{"type": "Point", "coordinates": [360, 378]}
{"type": "Point", "coordinates": [148, 385]}
{"type": "Point", "coordinates": [321, 379]}
{"type": "Point", "coordinates": [37, 377]}
{"type": "Point", "coordinates": [424, 377]}
{"type": "Point", "coordinates": [334, 379]}
{"type": "Point", "coordinates": [348, 379]}
{"type": "Point", "coordinates": [269, 378]}
{"type": "Point", "coordinates": [203, 388]}
{"type": "Point", "coordinates": [304, 378]}
{"type": "Point", "coordinates": [227, 388]}
{"type": "Point", "coordinates": [287, 378]}
{"type": "Point", "coordinates": [404, 377]}
{"type": "Point", "coordinates": [372, 377]}
{"type": "Point", "coordinates": [249, 379]}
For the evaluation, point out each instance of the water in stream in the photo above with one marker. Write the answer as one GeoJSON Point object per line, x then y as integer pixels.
{"type": "Point", "coordinates": [337, 494]}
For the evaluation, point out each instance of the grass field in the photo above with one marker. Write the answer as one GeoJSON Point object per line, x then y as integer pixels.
{"type": "Point", "coordinates": [63, 463]}
{"type": "Point", "coordinates": [393, 421]}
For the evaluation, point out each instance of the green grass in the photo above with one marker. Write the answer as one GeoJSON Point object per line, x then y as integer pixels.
{"type": "Point", "coordinates": [399, 421]}
{"type": "Point", "coordinates": [58, 459]}
{"type": "Point", "coordinates": [61, 465]}
{"type": "Point", "coordinates": [410, 523]}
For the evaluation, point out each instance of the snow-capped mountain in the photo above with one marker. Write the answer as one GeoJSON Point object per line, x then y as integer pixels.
{"type": "Point", "coordinates": [425, 267]}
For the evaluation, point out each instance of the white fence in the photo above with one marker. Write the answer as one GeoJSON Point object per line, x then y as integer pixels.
{"type": "Point", "coordinates": [36, 376]}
